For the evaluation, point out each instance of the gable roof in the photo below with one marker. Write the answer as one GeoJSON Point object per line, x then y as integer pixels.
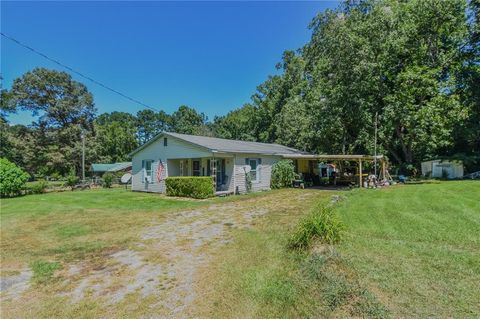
{"type": "Point", "coordinates": [215, 144]}
{"type": "Point", "coordinates": [111, 167]}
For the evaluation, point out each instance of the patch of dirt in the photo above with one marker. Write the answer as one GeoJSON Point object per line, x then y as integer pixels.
{"type": "Point", "coordinates": [14, 286]}
{"type": "Point", "coordinates": [164, 263]}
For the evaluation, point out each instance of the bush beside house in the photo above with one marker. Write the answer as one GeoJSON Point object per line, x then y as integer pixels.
{"type": "Point", "coordinates": [107, 180]}
{"type": "Point", "coordinates": [283, 174]}
{"type": "Point", "coordinates": [12, 178]}
{"type": "Point", "coordinates": [190, 186]}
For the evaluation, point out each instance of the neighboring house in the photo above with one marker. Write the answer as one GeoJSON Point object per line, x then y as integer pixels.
{"type": "Point", "coordinates": [442, 168]}
{"type": "Point", "coordinates": [100, 169]}
{"type": "Point", "coordinates": [227, 161]}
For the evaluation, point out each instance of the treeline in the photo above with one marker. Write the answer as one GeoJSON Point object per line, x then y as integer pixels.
{"type": "Point", "coordinates": [65, 110]}
{"type": "Point", "coordinates": [413, 65]}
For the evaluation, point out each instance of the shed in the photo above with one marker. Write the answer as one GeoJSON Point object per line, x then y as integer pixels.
{"type": "Point", "coordinates": [439, 168]}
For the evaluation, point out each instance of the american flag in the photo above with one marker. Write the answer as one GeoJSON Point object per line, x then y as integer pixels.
{"type": "Point", "coordinates": [160, 169]}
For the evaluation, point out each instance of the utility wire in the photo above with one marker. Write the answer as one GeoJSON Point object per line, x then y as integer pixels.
{"type": "Point", "coordinates": [77, 72]}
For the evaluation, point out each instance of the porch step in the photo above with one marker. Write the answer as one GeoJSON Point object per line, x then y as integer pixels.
{"type": "Point", "coordinates": [223, 193]}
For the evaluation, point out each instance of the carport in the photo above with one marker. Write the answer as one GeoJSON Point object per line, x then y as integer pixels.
{"type": "Point", "coordinates": [309, 163]}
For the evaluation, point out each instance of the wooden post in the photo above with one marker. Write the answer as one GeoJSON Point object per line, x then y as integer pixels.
{"type": "Point", "coordinates": [383, 169]}
{"type": "Point", "coordinates": [360, 172]}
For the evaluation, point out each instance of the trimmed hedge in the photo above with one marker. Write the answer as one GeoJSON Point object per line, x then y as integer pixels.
{"type": "Point", "coordinates": [190, 186]}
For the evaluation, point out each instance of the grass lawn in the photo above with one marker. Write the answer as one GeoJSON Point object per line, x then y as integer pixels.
{"type": "Point", "coordinates": [407, 251]}
{"type": "Point", "coordinates": [69, 225]}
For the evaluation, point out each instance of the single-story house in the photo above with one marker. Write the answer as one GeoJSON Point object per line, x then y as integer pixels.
{"type": "Point", "coordinates": [227, 161]}
{"type": "Point", "coordinates": [100, 169]}
{"type": "Point", "coordinates": [442, 168]}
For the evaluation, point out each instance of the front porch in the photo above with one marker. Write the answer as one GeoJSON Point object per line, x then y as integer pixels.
{"type": "Point", "coordinates": [219, 168]}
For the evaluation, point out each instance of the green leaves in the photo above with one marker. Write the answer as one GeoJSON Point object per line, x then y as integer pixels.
{"type": "Point", "coordinates": [12, 178]}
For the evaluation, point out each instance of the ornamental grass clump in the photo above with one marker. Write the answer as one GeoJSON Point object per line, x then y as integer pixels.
{"type": "Point", "coordinates": [321, 224]}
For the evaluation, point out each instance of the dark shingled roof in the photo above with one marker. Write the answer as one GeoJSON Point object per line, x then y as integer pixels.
{"type": "Point", "coordinates": [228, 146]}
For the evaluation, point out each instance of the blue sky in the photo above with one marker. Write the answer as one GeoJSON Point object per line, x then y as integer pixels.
{"type": "Point", "coordinates": [208, 55]}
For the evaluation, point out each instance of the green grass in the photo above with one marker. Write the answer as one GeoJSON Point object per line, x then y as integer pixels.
{"type": "Point", "coordinates": [407, 251]}
{"type": "Point", "coordinates": [70, 225]}
{"type": "Point", "coordinates": [418, 245]}
{"type": "Point", "coordinates": [43, 271]}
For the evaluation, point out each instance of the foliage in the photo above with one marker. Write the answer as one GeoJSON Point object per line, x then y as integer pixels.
{"type": "Point", "coordinates": [12, 178]}
{"type": "Point", "coordinates": [115, 136]}
{"type": "Point", "coordinates": [320, 224]}
{"type": "Point", "coordinates": [187, 120]}
{"type": "Point", "coordinates": [248, 182]}
{"type": "Point", "coordinates": [150, 124]}
{"type": "Point", "coordinates": [43, 271]}
{"type": "Point", "coordinates": [107, 180]}
{"type": "Point", "coordinates": [72, 180]}
{"type": "Point", "coordinates": [283, 173]}
{"type": "Point", "coordinates": [190, 186]}
{"type": "Point", "coordinates": [413, 63]}
{"type": "Point", "coordinates": [39, 187]}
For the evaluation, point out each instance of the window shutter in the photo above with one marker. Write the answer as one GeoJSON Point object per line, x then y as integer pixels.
{"type": "Point", "coordinates": [259, 161]}
{"type": "Point", "coordinates": [247, 161]}
{"type": "Point", "coordinates": [143, 171]}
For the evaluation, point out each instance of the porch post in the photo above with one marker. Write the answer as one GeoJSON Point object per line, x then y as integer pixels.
{"type": "Point", "coordinates": [360, 172]}
{"type": "Point", "coordinates": [213, 172]}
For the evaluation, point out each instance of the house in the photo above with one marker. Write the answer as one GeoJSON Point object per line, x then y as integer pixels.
{"type": "Point", "coordinates": [100, 169]}
{"type": "Point", "coordinates": [227, 161]}
{"type": "Point", "coordinates": [442, 168]}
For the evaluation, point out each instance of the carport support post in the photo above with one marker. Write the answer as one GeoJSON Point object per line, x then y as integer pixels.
{"type": "Point", "coordinates": [360, 172]}
{"type": "Point", "coordinates": [383, 169]}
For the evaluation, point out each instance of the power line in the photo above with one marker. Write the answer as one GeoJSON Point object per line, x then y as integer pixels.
{"type": "Point", "coordinates": [77, 72]}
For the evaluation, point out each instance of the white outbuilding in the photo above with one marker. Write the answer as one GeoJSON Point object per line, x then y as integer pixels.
{"type": "Point", "coordinates": [450, 169]}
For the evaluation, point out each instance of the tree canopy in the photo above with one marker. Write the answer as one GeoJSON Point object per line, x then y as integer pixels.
{"type": "Point", "coordinates": [413, 65]}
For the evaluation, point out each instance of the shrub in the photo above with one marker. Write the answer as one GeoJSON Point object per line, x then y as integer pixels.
{"type": "Point", "coordinates": [107, 180]}
{"type": "Point", "coordinates": [55, 176]}
{"type": "Point", "coordinates": [283, 173]}
{"type": "Point", "coordinates": [12, 178]}
{"type": "Point", "coordinates": [72, 180]}
{"type": "Point", "coordinates": [191, 186]}
{"type": "Point", "coordinates": [320, 224]}
{"type": "Point", "coordinates": [38, 187]}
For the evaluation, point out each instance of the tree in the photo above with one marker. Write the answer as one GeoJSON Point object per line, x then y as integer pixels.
{"type": "Point", "coordinates": [55, 96]}
{"type": "Point", "coordinates": [65, 109]}
{"type": "Point", "coordinates": [238, 124]}
{"type": "Point", "coordinates": [187, 120]}
{"type": "Point", "coordinates": [115, 136]}
{"type": "Point", "coordinates": [150, 124]}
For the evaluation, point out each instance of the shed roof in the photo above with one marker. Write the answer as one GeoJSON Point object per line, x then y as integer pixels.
{"type": "Point", "coordinates": [215, 144]}
{"type": "Point", "coordinates": [110, 167]}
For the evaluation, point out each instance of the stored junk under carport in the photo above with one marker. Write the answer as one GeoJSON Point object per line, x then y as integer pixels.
{"type": "Point", "coordinates": [315, 167]}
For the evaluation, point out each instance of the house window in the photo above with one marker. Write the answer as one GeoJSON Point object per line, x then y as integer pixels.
{"type": "Point", "coordinates": [165, 141]}
{"type": "Point", "coordinates": [254, 172]}
{"type": "Point", "coordinates": [147, 171]}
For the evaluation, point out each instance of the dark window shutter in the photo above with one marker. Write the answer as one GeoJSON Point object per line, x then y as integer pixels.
{"type": "Point", "coordinates": [259, 161]}
{"type": "Point", "coordinates": [247, 161]}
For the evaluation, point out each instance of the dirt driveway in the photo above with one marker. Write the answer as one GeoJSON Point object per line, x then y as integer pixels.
{"type": "Point", "coordinates": [157, 276]}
